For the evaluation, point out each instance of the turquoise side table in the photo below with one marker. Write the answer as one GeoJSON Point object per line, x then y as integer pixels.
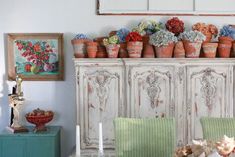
{"type": "Point", "coordinates": [42, 144]}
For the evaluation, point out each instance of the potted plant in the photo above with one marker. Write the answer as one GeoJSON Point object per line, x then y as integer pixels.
{"type": "Point", "coordinates": [122, 33]}
{"type": "Point", "coordinates": [134, 44]}
{"type": "Point", "coordinates": [91, 49]}
{"type": "Point", "coordinates": [112, 46]}
{"type": "Point", "coordinates": [175, 25]}
{"type": "Point", "coordinates": [79, 45]}
{"type": "Point", "coordinates": [225, 41]}
{"type": "Point", "coordinates": [101, 50]}
{"type": "Point", "coordinates": [192, 41]}
{"type": "Point", "coordinates": [208, 30]}
{"type": "Point", "coordinates": [147, 28]}
{"type": "Point", "coordinates": [164, 43]}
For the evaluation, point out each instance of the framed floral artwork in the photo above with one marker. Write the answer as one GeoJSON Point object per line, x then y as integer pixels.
{"type": "Point", "coordinates": [35, 56]}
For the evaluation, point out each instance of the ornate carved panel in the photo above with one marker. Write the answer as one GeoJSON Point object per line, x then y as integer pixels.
{"type": "Point", "coordinates": [102, 102]}
{"type": "Point", "coordinates": [151, 91]}
{"type": "Point", "coordinates": [207, 94]}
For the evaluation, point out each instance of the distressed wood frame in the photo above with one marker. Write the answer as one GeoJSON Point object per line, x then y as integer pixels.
{"type": "Point", "coordinates": [25, 36]}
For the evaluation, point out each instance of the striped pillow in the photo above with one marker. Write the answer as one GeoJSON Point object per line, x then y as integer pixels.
{"type": "Point", "coordinates": [153, 137]}
{"type": "Point", "coordinates": [215, 128]}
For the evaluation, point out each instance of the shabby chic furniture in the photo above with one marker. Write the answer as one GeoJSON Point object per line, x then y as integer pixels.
{"type": "Point", "coordinates": [215, 128]}
{"type": "Point", "coordinates": [186, 89]}
{"type": "Point", "coordinates": [30, 144]}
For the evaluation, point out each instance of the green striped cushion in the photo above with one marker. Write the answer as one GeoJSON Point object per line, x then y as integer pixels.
{"type": "Point", "coordinates": [153, 137]}
{"type": "Point", "coordinates": [215, 128]}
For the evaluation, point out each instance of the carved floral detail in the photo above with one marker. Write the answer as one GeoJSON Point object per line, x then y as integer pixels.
{"type": "Point", "coordinates": [153, 90]}
{"type": "Point", "coordinates": [208, 82]}
{"type": "Point", "coordinates": [101, 80]}
{"type": "Point", "coordinates": [208, 89]}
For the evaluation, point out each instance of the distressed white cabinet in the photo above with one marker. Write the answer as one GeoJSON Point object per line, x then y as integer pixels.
{"type": "Point", "coordinates": [209, 94]}
{"type": "Point", "coordinates": [99, 99]}
{"type": "Point", "coordinates": [186, 89]}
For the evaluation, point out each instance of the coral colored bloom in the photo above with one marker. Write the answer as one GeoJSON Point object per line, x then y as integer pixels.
{"type": "Point", "coordinates": [37, 48]}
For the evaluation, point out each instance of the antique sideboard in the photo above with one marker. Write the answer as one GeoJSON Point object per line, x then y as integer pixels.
{"type": "Point", "coordinates": [186, 89]}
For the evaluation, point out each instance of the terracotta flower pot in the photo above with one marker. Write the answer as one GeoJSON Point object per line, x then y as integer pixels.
{"type": "Point", "coordinates": [165, 51]}
{"type": "Point", "coordinates": [179, 51]}
{"type": "Point", "coordinates": [134, 49]}
{"type": "Point", "coordinates": [101, 52]}
{"type": "Point", "coordinates": [224, 39]}
{"type": "Point", "coordinates": [112, 50]}
{"type": "Point", "coordinates": [209, 49]}
{"type": "Point", "coordinates": [123, 51]}
{"type": "Point", "coordinates": [192, 49]}
{"type": "Point", "coordinates": [148, 50]}
{"type": "Point", "coordinates": [79, 47]}
{"type": "Point", "coordinates": [233, 50]}
{"type": "Point", "coordinates": [224, 50]}
{"type": "Point", "coordinates": [91, 49]}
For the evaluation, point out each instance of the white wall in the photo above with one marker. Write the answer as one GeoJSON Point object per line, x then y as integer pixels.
{"type": "Point", "coordinates": [68, 17]}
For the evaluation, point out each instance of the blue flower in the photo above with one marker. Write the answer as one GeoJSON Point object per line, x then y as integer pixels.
{"type": "Point", "coordinates": [80, 36]}
{"type": "Point", "coordinates": [228, 31]}
{"type": "Point", "coordinates": [122, 33]}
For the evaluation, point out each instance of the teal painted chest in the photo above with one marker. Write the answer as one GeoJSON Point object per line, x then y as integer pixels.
{"type": "Point", "coordinates": [42, 144]}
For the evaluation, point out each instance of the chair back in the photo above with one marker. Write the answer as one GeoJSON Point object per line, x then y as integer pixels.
{"type": "Point", "coordinates": [153, 137]}
{"type": "Point", "coordinates": [215, 128]}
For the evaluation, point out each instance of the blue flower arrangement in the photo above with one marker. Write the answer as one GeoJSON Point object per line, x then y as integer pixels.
{"type": "Point", "coordinates": [228, 31]}
{"type": "Point", "coordinates": [148, 27]}
{"type": "Point", "coordinates": [122, 33]}
{"type": "Point", "coordinates": [80, 36]}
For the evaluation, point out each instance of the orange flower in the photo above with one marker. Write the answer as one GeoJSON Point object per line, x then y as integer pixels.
{"type": "Point", "coordinates": [37, 48]}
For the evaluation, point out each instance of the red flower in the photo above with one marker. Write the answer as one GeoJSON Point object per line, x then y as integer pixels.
{"type": "Point", "coordinates": [19, 45]}
{"type": "Point", "coordinates": [27, 67]}
{"type": "Point", "coordinates": [175, 26]}
{"type": "Point", "coordinates": [37, 48]}
{"type": "Point", "coordinates": [133, 36]}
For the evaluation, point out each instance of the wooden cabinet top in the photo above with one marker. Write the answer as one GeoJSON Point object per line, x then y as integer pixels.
{"type": "Point", "coordinates": [51, 131]}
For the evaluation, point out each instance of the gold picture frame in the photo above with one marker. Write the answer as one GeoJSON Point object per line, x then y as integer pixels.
{"type": "Point", "coordinates": [36, 56]}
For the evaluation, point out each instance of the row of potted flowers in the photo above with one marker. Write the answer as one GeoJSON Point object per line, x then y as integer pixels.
{"type": "Point", "coordinates": [150, 39]}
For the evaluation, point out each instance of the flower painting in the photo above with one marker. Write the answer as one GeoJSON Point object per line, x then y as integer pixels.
{"type": "Point", "coordinates": [35, 56]}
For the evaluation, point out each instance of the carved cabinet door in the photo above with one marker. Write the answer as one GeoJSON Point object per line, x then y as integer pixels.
{"type": "Point", "coordinates": [151, 91]}
{"type": "Point", "coordinates": [209, 94]}
{"type": "Point", "coordinates": [157, 91]}
{"type": "Point", "coordinates": [100, 99]}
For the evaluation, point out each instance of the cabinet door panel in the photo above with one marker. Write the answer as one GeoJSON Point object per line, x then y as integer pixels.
{"type": "Point", "coordinates": [101, 101]}
{"type": "Point", "coordinates": [151, 91]}
{"type": "Point", "coordinates": [208, 95]}
{"type": "Point", "coordinates": [13, 147]}
{"type": "Point", "coordinates": [40, 146]}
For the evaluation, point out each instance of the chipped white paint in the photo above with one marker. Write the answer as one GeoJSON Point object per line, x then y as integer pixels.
{"type": "Point", "coordinates": [186, 89]}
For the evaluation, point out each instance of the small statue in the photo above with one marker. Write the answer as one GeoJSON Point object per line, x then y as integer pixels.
{"type": "Point", "coordinates": [16, 101]}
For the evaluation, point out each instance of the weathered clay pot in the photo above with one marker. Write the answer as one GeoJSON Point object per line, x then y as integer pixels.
{"type": "Point", "coordinates": [224, 50]}
{"type": "Point", "coordinates": [79, 47]}
{"type": "Point", "coordinates": [101, 52]}
{"type": "Point", "coordinates": [148, 50]}
{"type": "Point", "coordinates": [209, 49]}
{"type": "Point", "coordinates": [224, 39]}
{"type": "Point", "coordinates": [123, 51]}
{"type": "Point", "coordinates": [91, 49]}
{"type": "Point", "coordinates": [134, 49]}
{"type": "Point", "coordinates": [192, 49]}
{"type": "Point", "coordinates": [233, 50]}
{"type": "Point", "coordinates": [112, 50]}
{"type": "Point", "coordinates": [165, 51]}
{"type": "Point", "coordinates": [179, 51]}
